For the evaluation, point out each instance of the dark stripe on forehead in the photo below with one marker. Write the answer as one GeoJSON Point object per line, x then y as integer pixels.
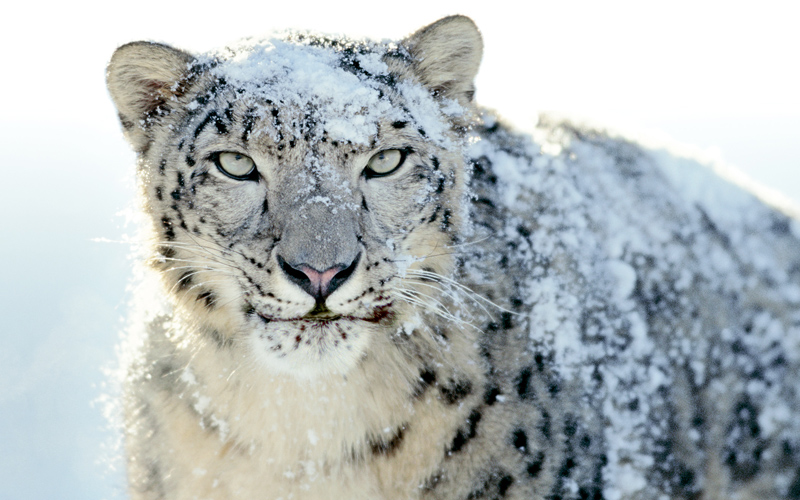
{"type": "Point", "coordinates": [197, 131]}
{"type": "Point", "coordinates": [229, 112]}
{"type": "Point", "coordinates": [248, 121]}
{"type": "Point", "coordinates": [211, 117]}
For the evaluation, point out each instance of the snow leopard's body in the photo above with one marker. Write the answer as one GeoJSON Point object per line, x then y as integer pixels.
{"type": "Point", "coordinates": [484, 316]}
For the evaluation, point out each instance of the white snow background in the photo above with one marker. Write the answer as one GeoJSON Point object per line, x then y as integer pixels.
{"type": "Point", "coordinates": [720, 76]}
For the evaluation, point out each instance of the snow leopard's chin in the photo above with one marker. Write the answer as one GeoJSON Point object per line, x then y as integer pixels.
{"type": "Point", "coordinates": [315, 345]}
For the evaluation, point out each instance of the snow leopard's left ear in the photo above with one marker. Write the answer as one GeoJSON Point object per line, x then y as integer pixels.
{"type": "Point", "coordinates": [447, 55]}
{"type": "Point", "coordinates": [142, 78]}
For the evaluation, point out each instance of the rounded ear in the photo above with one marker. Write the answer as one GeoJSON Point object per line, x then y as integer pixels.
{"type": "Point", "coordinates": [447, 55]}
{"type": "Point", "coordinates": [141, 78]}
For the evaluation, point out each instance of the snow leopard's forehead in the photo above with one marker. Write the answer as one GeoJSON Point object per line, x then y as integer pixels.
{"type": "Point", "coordinates": [345, 87]}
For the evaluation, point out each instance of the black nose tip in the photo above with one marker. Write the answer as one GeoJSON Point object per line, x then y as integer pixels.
{"type": "Point", "coordinates": [318, 284]}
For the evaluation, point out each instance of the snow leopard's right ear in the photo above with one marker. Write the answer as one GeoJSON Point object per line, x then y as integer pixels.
{"type": "Point", "coordinates": [446, 56]}
{"type": "Point", "coordinates": [141, 78]}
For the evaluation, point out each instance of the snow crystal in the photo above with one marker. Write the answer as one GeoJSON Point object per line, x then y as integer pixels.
{"type": "Point", "coordinates": [188, 377]}
{"type": "Point", "coordinates": [201, 403]}
{"type": "Point", "coordinates": [625, 276]}
{"type": "Point", "coordinates": [312, 437]}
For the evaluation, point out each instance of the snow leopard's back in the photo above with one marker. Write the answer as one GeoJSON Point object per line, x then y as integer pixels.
{"type": "Point", "coordinates": [665, 300]}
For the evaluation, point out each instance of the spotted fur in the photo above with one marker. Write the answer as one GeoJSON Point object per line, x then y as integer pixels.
{"type": "Point", "coordinates": [499, 317]}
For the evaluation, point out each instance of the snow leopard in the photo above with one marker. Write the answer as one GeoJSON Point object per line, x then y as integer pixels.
{"type": "Point", "coordinates": [370, 287]}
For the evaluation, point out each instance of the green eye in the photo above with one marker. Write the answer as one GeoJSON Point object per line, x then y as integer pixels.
{"type": "Point", "coordinates": [236, 165]}
{"type": "Point", "coordinates": [384, 162]}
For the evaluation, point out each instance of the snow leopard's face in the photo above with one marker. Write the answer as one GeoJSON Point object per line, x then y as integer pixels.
{"type": "Point", "coordinates": [301, 190]}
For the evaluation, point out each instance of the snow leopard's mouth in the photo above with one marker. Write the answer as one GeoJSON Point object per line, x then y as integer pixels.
{"type": "Point", "coordinates": [323, 317]}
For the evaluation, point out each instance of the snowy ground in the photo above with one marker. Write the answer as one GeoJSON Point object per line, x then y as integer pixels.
{"type": "Point", "coordinates": [710, 75]}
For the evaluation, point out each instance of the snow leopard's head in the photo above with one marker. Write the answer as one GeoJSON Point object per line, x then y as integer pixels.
{"type": "Point", "coordinates": [303, 191]}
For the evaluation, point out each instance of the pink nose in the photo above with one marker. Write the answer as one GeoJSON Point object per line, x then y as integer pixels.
{"type": "Point", "coordinates": [320, 281]}
{"type": "Point", "coordinates": [318, 284]}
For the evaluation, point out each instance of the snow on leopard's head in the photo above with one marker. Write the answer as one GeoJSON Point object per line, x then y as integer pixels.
{"type": "Point", "coordinates": [301, 189]}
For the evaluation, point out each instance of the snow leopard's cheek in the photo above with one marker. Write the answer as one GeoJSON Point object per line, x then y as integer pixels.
{"type": "Point", "coordinates": [405, 199]}
{"type": "Point", "coordinates": [232, 206]}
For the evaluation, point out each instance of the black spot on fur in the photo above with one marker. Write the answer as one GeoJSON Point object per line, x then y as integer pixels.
{"type": "Point", "coordinates": [190, 161]}
{"type": "Point", "coordinates": [534, 467]}
{"type": "Point", "coordinates": [152, 482]}
{"type": "Point", "coordinates": [710, 226]}
{"type": "Point", "coordinates": [743, 453]}
{"type": "Point", "coordinates": [446, 219]}
{"type": "Point", "coordinates": [570, 425]}
{"type": "Point", "coordinates": [545, 426]}
{"type": "Point", "coordinates": [506, 321]}
{"type": "Point", "coordinates": [388, 447]}
{"type": "Point", "coordinates": [504, 484]}
{"type": "Point", "coordinates": [435, 214]}
{"type": "Point", "coordinates": [169, 232]}
{"type": "Point", "coordinates": [159, 194]}
{"type": "Point", "coordinates": [166, 251]}
{"type": "Point", "coordinates": [219, 340]}
{"type": "Point", "coordinates": [456, 391]}
{"type": "Point", "coordinates": [780, 224]}
{"type": "Point", "coordinates": [432, 482]}
{"type": "Point", "coordinates": [520, 440]}
{"type": "Point", "coordinates": [176, 194]}
{"type": "Point", "coordinates": [538, 358]}
{"type": "Point", "coordinates": [185, 281]}
{"type": "Point", "coordinates": [523, 384]}
{"type": "Point", "coordinates": [486, 201]}
{"type": "Point", "coordinates": [399, 124]}
{"type": "Point", "coordinates": [208, 298]}
{"type": "Point", "coordinates": [127, 124]}
{"type": "Point", "coordinates": [494, 487]}
{"type": "Point", "coordinates": [794, 489]}
{"type": "Point", "coordinates": [490, 396]}
{"type": "Point", "coordinates": [162, 167]}
{"type": "Point", "coordinates": [427, 377]}
{"type": "Point", "coordinates": [463, 436]}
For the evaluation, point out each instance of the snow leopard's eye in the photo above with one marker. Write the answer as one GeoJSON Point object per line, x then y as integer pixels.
{"type": "Point", "coordinates": [384, 162]}
{"type": "Point", "coordinates": [235, 165]}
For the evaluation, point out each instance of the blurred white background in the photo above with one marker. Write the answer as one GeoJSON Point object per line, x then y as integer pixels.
{"type": "Point", "coordinates": [720, 76]}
